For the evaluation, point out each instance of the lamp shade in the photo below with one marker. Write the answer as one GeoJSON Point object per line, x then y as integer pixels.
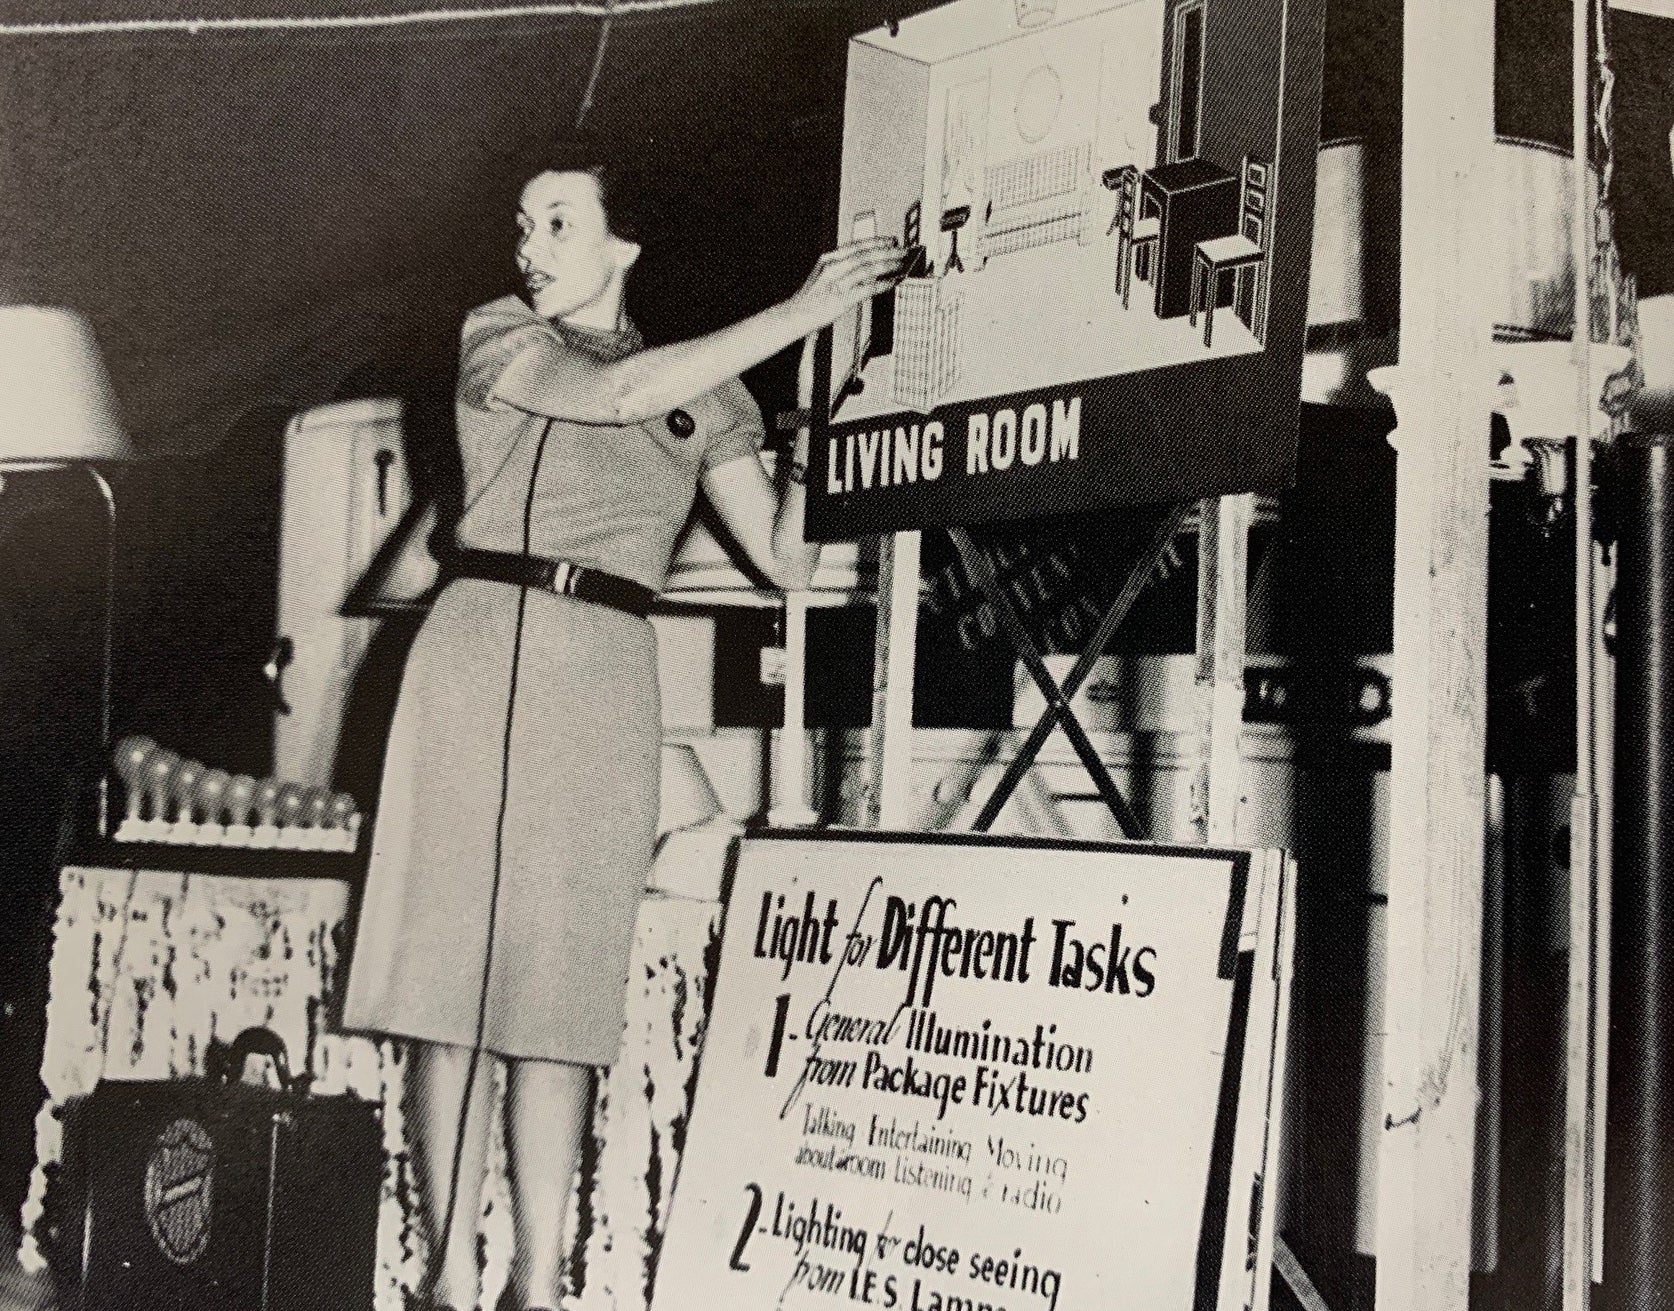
{"type": "Point", "coordinates": [686, 796]}
{"type": "Point", "coordinates": [56, 402]}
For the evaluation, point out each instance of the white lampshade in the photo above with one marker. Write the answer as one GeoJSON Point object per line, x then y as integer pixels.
{"type": "Point", "coordinates": [686, 795]}
{"type": "Point", "coordinates": [56, 402]}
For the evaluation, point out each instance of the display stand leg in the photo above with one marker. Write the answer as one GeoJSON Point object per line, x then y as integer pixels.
{"type": "Point", "coordinates": [1222, 582]}
{"type": "Point", "coordinates": [1057, 706]}
{"type": "Point", "coordinates": [792, 810]}
{"type": "Point", "coordinates": [1222, 576]}
{"type": "Point", "coordinates": [1583, 816]}
{"type": "Point", "coordinates": [889, 743]}
{"type": "Point", "coordinates": [1443, 408]}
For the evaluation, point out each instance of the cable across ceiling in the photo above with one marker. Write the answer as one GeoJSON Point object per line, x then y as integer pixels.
{"type": "Point", "coordinates": [108, 20]}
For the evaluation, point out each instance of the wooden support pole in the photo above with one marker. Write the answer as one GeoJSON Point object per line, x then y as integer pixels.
{"type": "Point", "coordinates": [1223, 536]}
{"type": "Point", "coordinates": [791, 809]}
{"type": "Point", "coordinates": [890, 740]}
{"type": "Point", "coordinates": [1443, 407]}
{"type": "Point", "coordinates": [1583, 812]}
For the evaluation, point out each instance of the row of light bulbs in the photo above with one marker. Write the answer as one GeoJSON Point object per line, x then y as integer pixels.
{"type": "Point", "coordinates": [172, 799]}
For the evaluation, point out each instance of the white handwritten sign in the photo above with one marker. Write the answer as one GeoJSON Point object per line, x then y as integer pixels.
{"type": "Point", "coordinates": [972, 1074]}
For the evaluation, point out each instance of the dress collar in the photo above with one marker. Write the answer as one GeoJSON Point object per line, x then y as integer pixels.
{"type": "Point", "coordinates": [602, 343]}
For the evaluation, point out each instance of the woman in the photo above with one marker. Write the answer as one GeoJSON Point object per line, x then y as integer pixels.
{"type": "Point", "coordinates": [519, 800]}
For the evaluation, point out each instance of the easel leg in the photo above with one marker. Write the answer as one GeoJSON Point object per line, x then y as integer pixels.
{"type": "Point", "coordinates": [1222, 579]}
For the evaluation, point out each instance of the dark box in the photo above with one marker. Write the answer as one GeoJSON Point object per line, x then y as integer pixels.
{"type": "Point", "coordinates": [208, 1196]}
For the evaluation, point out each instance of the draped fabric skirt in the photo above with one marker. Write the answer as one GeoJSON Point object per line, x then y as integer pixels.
{"type": "Point", "coordinates": [514, 830]}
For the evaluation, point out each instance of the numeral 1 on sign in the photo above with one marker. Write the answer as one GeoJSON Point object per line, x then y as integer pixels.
{"type": "Point", "coordinates": [780, 1010]}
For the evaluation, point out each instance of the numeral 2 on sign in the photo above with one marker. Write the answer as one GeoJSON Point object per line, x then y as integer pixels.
{"type": "Point", "coordinates": [738, 1261]}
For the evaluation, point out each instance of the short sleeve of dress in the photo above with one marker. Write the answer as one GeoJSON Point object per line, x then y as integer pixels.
{"type": "Point", "coordinates": [493, 336]}
{"type": "Point", "coordinates": [735, 426]}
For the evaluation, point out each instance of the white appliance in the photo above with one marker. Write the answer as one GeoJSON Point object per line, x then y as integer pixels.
{"type": "Point", "coordinates": [346, 490]}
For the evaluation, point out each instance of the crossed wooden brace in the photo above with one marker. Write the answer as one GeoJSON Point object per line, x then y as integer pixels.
{"type": "Point", "coordinates": [1058, 698]}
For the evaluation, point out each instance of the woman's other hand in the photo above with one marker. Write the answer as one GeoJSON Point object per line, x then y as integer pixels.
{"type": "Point", "coordinates": [849, 275]}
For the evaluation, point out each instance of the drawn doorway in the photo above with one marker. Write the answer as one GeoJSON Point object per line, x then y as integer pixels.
{"type": "Point", "coordinates": [1185, 82]}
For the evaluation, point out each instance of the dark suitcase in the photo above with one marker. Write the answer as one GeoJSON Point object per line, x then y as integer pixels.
{"type": "Point", "coordinates": [214, 1195]}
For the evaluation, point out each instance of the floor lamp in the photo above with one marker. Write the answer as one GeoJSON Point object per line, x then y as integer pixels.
{"type": "Point", "coordinates": [57, 409]}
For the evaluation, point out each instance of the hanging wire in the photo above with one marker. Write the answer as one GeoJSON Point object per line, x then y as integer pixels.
{"type": "Point", "coordinates": [598, 65]}
{"type": "Point", "coordinates": [411, 18]}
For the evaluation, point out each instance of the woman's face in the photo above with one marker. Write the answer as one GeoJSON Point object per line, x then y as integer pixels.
{"type": "Point", "coordinates": [570, 260]}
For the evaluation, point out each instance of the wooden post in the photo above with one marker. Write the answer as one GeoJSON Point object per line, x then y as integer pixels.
{"type": "Point", "coordinates": [1583, 812]}
{"type": "Point", "coordinates": [1443, 407]}
{"type": "Point", "coordinates": [890, 740]}
{"type": "Point", "coordinates": [1223, 533]}
{"type": "Point", "coordinates": [791, 808]}
{"type": "Point", "coordinates": [791, 759]}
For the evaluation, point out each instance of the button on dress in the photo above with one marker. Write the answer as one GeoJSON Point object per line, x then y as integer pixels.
{"type": "Point", "coordinates": [518, 810]}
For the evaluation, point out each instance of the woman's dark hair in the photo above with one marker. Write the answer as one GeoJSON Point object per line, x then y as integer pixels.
{"type": "Point", "coordinates": [624, 185]}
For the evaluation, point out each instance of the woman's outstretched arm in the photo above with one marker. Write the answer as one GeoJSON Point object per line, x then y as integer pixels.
{"type": "Point", "coordinates": [543, 379]}
{"type": "Point", "coordinates": [769, 527]}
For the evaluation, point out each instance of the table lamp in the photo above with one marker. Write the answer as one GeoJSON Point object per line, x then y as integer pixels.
{"type": "Point", "coordinates": [57, 409]}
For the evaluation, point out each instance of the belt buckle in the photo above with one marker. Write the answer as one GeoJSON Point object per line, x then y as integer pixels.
{"type": "Point", "coordinates": [564, 576]}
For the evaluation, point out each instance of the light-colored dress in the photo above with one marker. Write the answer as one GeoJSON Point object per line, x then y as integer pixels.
{"type": "Point", "coordinates": [519, 802]}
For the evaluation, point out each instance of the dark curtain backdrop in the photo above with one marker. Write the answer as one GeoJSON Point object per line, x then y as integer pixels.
{"type": "Point", "coordinates": [260, 218]}
{"type": "Point", "coordinates": [258, 222]}
{"type": "Point", "coordinates": [265, 217]}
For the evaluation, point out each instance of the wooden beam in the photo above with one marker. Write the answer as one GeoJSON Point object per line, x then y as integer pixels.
{"type": "Point", "coordinates": [890, 740]}
{"type": "Point", "coordinates": [1583, 812]}
{"type": "Point", "coordinates": [1223, 536]}
{"type": "Point", "coordinates": [791, 808]}
{"type": "Point", "coordinates": [1443, 408]}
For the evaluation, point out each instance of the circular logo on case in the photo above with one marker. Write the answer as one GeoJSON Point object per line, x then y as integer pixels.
{"type": "Point", "coordinates": [179, 1181]}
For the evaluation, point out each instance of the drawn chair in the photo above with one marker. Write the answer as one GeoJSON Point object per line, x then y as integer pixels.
{"type": "Point", "coordinates": [1136, 237]}
{"type": "Point", "coordinates": [1243, 251]}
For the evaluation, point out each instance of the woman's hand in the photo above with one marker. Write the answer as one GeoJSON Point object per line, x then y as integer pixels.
{"type": "Point", "coordinates": [545, 380]}
{"type": "Point", "coordinates": [849, 275]}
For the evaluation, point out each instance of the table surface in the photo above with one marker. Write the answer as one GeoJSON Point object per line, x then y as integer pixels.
{"type": "Point", "coordinates": [1185, 175]}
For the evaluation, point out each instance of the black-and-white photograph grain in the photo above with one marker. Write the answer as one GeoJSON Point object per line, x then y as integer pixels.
{"type": "Point", "coordinates": [836, 655]}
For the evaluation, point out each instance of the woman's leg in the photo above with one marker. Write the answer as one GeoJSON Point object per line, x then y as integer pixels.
{"type": "Point", "coordinates": [549, 1106]}
{"type": "Point", "coordinates": [437, 1078]}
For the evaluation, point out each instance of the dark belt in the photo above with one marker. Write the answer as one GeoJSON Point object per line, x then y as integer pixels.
{"type": "Point", "coordinates": [557, 576]}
